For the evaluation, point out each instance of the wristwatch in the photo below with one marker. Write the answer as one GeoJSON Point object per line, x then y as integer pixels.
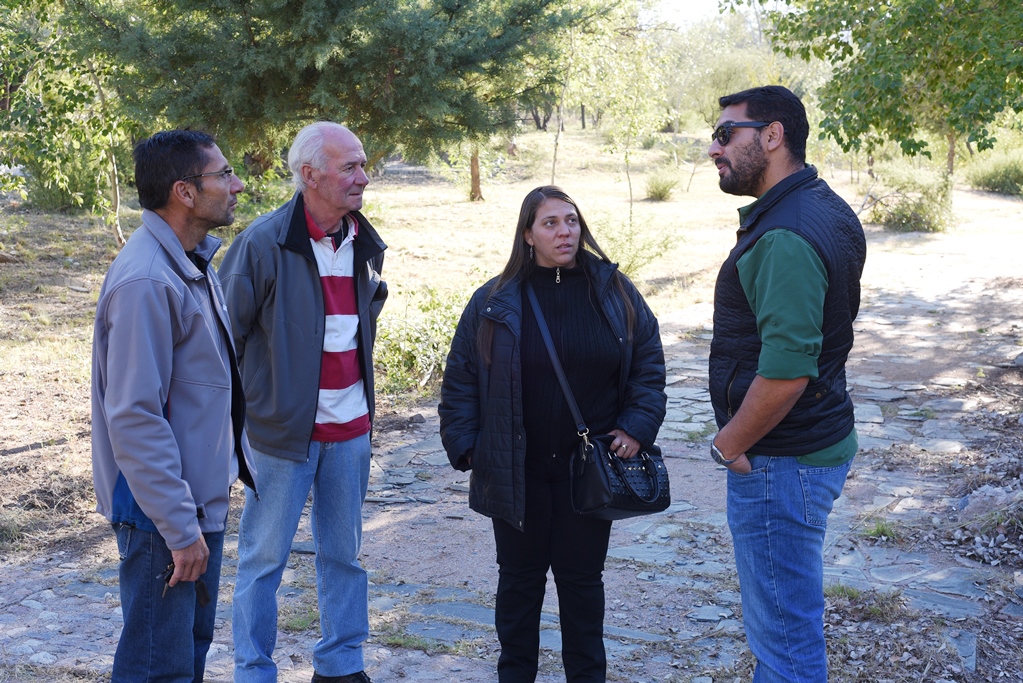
{"type": "Point", "coordinates": [719, 457]}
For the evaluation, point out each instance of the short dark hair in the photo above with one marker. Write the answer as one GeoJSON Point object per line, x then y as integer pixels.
{"type": "Point", "coordinates": [165, 158]}
{"type": "Point", "coordinates": [776, 103]}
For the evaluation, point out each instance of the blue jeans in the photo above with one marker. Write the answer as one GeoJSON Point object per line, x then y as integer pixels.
{"type": "Point", "coordinates": [338, 474]}
{"type": "Point", "coordinates": [165, 636]}
{"type": "Point", "coordinates": [778, 515]}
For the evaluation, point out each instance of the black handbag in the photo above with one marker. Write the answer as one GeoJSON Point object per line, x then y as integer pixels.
{"type": "Point", "coordinates": [603, 485]}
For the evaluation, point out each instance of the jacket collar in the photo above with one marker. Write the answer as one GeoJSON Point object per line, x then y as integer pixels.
{"type": "Point", "coordinates": [167, 238]}
{"type": "Point", "coordinates": [599, 272]}
{"type": "Point", "coordinates": [295, 236]}
{"type": "Point", "coordinates": [775, 194]}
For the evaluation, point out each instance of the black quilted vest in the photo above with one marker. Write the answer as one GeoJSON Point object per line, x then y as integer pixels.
{"type": "Point", "coordinates": [823, 415]}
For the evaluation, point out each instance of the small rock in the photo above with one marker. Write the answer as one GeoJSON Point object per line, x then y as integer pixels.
{"type": "Point", "coordinates": [44, 658]}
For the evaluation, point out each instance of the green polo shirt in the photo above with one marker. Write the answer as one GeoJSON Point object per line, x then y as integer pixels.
{"type": "Point", "coordinates": [785, 282]}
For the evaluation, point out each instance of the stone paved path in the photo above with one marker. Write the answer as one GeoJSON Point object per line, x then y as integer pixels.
{"type": "Point", "coordinates": [672, 601]}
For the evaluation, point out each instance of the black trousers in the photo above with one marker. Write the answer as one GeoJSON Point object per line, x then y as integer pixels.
{"type": "Point", "coordinates": [575, 547]}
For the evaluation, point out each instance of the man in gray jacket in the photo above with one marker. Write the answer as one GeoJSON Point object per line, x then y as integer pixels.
{"type": "Point", "coordinates": [167, 409]}
{"type": "Point", "coordinates": [304, 290]}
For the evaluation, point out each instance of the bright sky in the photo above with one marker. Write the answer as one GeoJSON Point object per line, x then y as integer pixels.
{"type": "Point", "coordinates": [684, 12]}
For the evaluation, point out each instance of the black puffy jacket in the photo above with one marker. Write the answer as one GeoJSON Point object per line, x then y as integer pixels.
{"type": "Point", "coordinates": [823, 415]}
{"type": "Point", "coordinates": [481, 406]}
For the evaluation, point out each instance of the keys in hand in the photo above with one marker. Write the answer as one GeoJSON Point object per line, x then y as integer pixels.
{"type": "Point", "coordinates": [202, 594]}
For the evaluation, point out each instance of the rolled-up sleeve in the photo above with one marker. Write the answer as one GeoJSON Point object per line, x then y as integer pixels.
{"type": "Point", "coordinates": [786, 281]}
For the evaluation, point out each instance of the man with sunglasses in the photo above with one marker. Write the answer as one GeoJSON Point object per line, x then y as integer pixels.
{"type": "Point", "coordinates": [168, 409]}
{"type": "Point", "coordinates": [304, 291]}
{"type": "Point", "coordinates": [784, 306]}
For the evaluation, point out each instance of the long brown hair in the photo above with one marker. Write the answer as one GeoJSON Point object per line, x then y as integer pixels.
{"type": "Point", "coordinates": [520, 265]}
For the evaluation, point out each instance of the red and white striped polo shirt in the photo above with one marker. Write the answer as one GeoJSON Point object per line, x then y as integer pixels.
{"type": "Point", "coordinates": [341, 412]}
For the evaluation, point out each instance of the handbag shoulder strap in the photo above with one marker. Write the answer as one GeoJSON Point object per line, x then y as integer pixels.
{"type": "Point", "coordinates": [549, 343]}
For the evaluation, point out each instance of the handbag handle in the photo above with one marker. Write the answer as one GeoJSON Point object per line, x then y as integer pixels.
{"type": "Point", "coordinates": [651, 471]}
{"type": "Point", "coordinates": [549, 343]}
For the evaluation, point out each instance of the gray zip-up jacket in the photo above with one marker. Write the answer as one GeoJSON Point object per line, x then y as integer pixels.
{"type": "Point", "coordinates": [164, 444]}
{"type": "Point", "coordinates": [275, 301]}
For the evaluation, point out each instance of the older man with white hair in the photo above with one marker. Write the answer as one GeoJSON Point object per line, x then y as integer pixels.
{"type": "Point", "coordinates": [304, 291]}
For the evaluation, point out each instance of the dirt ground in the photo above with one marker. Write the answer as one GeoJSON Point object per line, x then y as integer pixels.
{"type": "Point", "coordinates": [439, 240]}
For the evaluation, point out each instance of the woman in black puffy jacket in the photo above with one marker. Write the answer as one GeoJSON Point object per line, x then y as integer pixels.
{"type": "Point", "coordinates": [504, 417]}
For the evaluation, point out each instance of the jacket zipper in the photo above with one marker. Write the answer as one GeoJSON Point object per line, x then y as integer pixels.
{"type": "Point", "coordinates": [728, 392]}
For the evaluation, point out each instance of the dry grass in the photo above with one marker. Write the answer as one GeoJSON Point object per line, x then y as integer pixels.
{"type": "Point", "coordinates": [44, 674]}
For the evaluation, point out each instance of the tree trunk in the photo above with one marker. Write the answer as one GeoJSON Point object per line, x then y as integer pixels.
{"type": "Point", "coordinates": [475, 192]}
{"type": "Point", "coordinates": [547, 113]}
{"type": "Point", "coordinates": [628, 178]}
{"type": "Point", "coordinates": [582, 109]}
{"type": "Point", "coordinates": [951, 152]}
{"type": "Point", "coordinates": [114, 216]}
{"type": "Point", "coordinates": [540, 125]}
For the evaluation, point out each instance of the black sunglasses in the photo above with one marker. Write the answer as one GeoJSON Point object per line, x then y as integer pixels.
{"type": "Point", "coordinates": [723, 133]}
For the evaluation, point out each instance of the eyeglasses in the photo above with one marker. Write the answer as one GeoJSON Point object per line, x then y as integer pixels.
{"type": "Point", "coordinates": [226, 173]}
{"type": "Point", "coordinates": [723, 133]}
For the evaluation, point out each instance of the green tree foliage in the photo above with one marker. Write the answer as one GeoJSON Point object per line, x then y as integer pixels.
{"type": "Point", "coordinates": [697, 70]}
{"type": "Point", "coordinates": [419, 74]}
{"type": "Point", "coordinates": [907, 67]}
{"type": "Point", "coordinates": [55, 120]}
{"type": "Point", "coordinates": [606, 66]}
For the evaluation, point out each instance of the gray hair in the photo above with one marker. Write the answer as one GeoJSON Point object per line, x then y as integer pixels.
{"type": "Point", "coordinates": [307, 148]}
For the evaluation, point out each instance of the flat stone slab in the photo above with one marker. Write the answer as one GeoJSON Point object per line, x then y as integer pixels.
{"type": "Point", "coordinates": [955, 608]}
{"type": "Point", "coordinates": [897, 573]}
{"type": "Point", "coordinates": [443, 632]}
{"type": "Point", "coordinates": [633, 634]}
{"type": "Point", "coordinates": [647, 552]}
{"type": "Point", "coordinates": [954, 581]}
{"type": "Point", "coordinates": [868, 412]}
{"type": "Point", "coordinates": [939, 445]}
{"type": "Point", "coordinates": [691, 393]}
{"type": "Point", "coordinates": [464, 611]}
{"type": "Point", "coordinates": [966, 645]}
{"type": "Point", "coordinates": [948, 382]}
{"type": "Point", "coordinates": [885, 432]}
{"type": "Point", "coordinates": [869, 383]}
{"type": "Point", "coordinates": [550, 639]}
{"type": "Point", "coordinates": [710, 613]}
{"type": "Point", "coordinates": [882, 395]}
{"type": "Point", "coordinates": [435, 458]}
{"type": "Point", "coordinates": [703, 567]}
{"type": "Point", "coordinates": [96, 591]}
{"type": "Point", "coordinates": [684, 428]}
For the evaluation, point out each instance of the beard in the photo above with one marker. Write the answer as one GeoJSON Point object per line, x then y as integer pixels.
{"type": "Point", "coordinates": [746, 170]}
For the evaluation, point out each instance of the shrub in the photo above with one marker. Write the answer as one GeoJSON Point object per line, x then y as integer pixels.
{"type": "Point", "coordinates": [1001, 173]}
{"type": "Point", "coordinates": [913, 200]}
{"type": "Point", "coordinates": [411, 348]}
{"type": "Point", "coordinates": [661, 184]}
{"type": "Point", "coordinates": [632, 245]}
{"type": "Point", "coordinates": [71, 182]}
{"type": "Point", "coordinates": [264, 193]}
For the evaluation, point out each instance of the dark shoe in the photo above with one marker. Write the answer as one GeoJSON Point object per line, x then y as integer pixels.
{"type": "Point", "coordinates": [357, 677]}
